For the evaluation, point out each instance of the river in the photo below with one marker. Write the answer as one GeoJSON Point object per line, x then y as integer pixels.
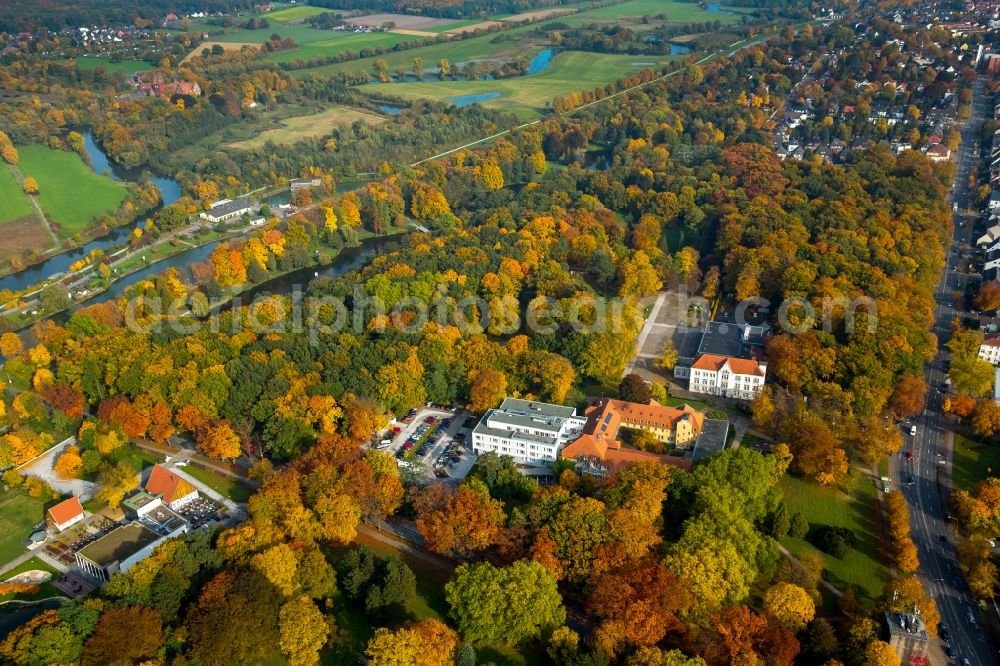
{"type": "Point", "coordinates": [60, 263]}
{"type": "Point", "coordinates": [13, 616]}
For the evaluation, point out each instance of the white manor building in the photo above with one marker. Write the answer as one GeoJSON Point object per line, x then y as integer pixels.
{"type": "Point", "coordinates": [529, 432]}
{"type": "Point", "coordinates": [740, 378]}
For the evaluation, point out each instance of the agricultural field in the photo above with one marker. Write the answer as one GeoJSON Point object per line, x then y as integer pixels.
{"type": "Point", "coordinates": [309, 126]}
{"type": "Point", "coordinates": [676, 12]}
{"type": "Point", "coordinates": [526, 96]}
{"type": "Point", "coordinates": [853, 507]}
{"type": "Point", "coordinates": [70, 193]}
{"type": "Point", "coordinates": [228, 46]}
{"type": "Point", "coordinates": [477, 48]}
{"type": "Point", "coordinates": [123, 66]}
{"type": "Point", "coordinates": [337, 42]}
{"type": "Point", "coordinates": [294, 13]}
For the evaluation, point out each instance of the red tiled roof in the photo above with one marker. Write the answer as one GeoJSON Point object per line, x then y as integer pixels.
{"type": "Point", "coordinates": [740, 366]}
{"type": "Point", "coordinates": [991, 341]}
{"type": "Point", "coordinates": [606, 416]}
{"type": "Point", "coordinates": [66, 510]}
{"type": "Point", "coordinates": [171, 486]}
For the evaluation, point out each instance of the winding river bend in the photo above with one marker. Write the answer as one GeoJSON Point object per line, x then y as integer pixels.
{"type": "Point", "coordinates": [60, 263]}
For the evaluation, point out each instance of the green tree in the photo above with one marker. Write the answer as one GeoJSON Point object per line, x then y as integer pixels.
{"type": "Point", "coordinates": [498, 606]}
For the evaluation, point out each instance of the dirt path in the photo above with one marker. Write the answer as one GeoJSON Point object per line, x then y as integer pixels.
{"type": "Point", "coordinates": [38, 209]}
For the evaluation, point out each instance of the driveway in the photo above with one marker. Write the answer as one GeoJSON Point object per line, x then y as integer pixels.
{"type": "Point", "coordinates": [43, 467]}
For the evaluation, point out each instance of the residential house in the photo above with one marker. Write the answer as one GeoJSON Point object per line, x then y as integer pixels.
{"type": "Point", "coordinates": [989, 349]}
{"type": "Point", "coordinates": [174, 490]}
{"type": "Point", "coordinates": [65, 514]}
{"type": "Point", "coordinates": [600, 455]}
{"type": "Point", "coordinates": [938, 152]}
{"type": "Point", "coordinates": [676, 426]}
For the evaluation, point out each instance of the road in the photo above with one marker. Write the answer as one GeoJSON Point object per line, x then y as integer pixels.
{"type": "Point", "coordinates": [931, 446]}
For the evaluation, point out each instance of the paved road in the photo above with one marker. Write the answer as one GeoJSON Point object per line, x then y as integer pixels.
{"type": "Point", "coordinates": [931, 447]}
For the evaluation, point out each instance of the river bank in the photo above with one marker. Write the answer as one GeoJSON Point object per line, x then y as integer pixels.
{"type": "Point", "coordinates": [56, 264]}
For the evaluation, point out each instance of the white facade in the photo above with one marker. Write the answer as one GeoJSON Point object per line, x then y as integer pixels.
{"type": "Point", "coordinates": [989, 350]}
{"type": "Point", "coordinates": [529, 432]}
{"type": "Point", "coordinates": [727, 380]}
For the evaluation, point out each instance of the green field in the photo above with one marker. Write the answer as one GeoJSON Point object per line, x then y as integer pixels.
{"type": "Point", "coordinates": [312, 125]}
{"type": "Point", "coordinates": [125, 66]}
{"type": "Point", "coordinates": [224, 485]}
{"type": "Point", "coordinates": [526, 96]}
{"type": "Point", "coordinates": [853, 508]}
{"type": "Point", "coordinates": [70, 192]}
{"type": "Point", "coordinates": [453, 26]}
{"type": "Point", "coordinates": [295, 12]}
{"type": "Point", "coordinates": [19, 513]}
{"type": "Point", "coordinates": [676, 12]}
{"type": "Point", "coordinates": [337, 42]}
{"type": "Point", "coordinates": [972, 462]}
{"type": "Point", "coordinates": [477, 48]}
{"type": "Point", "coordinates": [13, 201]}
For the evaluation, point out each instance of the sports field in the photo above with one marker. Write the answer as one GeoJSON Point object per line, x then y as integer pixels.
{"type": "Point", "coordinates": [312, 125]}
{"type": "Point", "coordinates": [295, 13]}
{"type": "Point", "coordinates": [70, 192]}
{"type": "Point", "coordinates": [13, 201]}
{"type": "Point", "coordinates": [526, 96]}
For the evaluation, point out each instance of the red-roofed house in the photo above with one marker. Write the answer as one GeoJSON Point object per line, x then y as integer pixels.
{"type": "Point", "coordinates": [601, 456]}
{"type": "Point", "coordinates": [727, 376]}
{"type": "Point", "coordinates": [174, 489]}
{"type": "Point", "coordinates": [938, 152]}
{"type": "Point", "coordinates": [989, 350]}
{"type": "Point", "coordinates": [66, 513]}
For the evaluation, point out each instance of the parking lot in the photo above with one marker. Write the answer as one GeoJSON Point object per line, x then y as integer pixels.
{"type": "Point", "coordinates": [433, 442]}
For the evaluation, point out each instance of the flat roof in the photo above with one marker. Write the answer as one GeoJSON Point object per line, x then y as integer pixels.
{"type": "Point", "coordinates": [163, 520]}
{"type": "Point", "coordinates": [119, 544]}
{"type": "Point", "coordinates": [229, 207]}
{"type": "Point", "coordinates": [483, 429]}
{"type": "Point", "coordinates": [139, 500]}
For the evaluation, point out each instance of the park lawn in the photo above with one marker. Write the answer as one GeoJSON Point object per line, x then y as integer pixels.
{"type": "Point", "coordinates": [854, 507]}
{"type": "Point", "coordinates": [13, 201]}
{"type": "Point", "coordinates": [124, 66]}
{"type": "Point", "coordinates": [45, 590]}
{"type": "Point", "coordinates": [70, 192]}
{"type": "Point", "coordinates": [696, 404]}
{"type": "Point", "coordinates": [226, 486]}
{"type": "Point", "coordinates": [293, 13]}
{"type": "Point", "coordinates": [971, 462]}
{"type": "Point", "coordinates": [337, 42]}
{"type": "Point", "coordinates": [527, 96]}
{"type": "Point", "coordinates": [19, 513]}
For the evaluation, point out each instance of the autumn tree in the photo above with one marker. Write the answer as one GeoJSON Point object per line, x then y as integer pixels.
{"type": "Point", "coordinates": [491, 175]}
{"type": "Point", "coordinates": [988, 297]}
{"type": "Point", "coordinates": [69, 464]}
{"type": "Point", "coordinates": [428, 642]}
{"type": "Point", "coordinates": [303, 629]}
{"type": "Point", "coordinates": [986, 417]}
{"type": "Point", "coordinates": [790, 605]}
{"type": "Point", "coordinates": [220, 441]}
{"type": "Point", "coordinates": [504, 605]}
{"type": "Point", "coordinates": [30, 185]}
{"type": "Point", "coordinates": [880, 653]}
{"type": "Point", "coordinates": [633, 388]}
{"type": "Point", "coordinates": [909, 396]}
{"type": "Point", "coordinates": [11, 345]}
{"type": "Point", "coordinates": [132, 634]}
{"type": "Point", "coordinates": [487, 391]}
{"type": "Point", "coordinates": [459, 520]}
